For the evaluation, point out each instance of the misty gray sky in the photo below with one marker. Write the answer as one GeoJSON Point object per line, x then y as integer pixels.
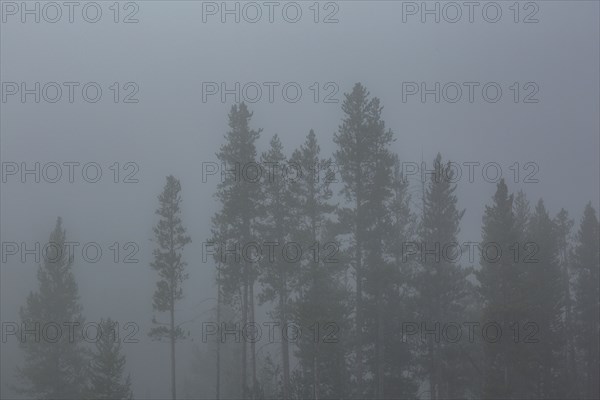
{"type": "Point", "coordinates": [170, 52]}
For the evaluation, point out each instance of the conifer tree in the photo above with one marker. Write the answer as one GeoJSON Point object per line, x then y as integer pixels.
{"type": "Point", "coordinates": [564, 226]}
{"type": "Point", "coordinates": [587, 307]}
{"type": "Point", "coordinates": [51, 336]}
{"type": "Point", "coordinates": [236, 224]}
{"type": "Point", "coordinates": [171, 238]}
{"type": "Point", "coordinates": [400, 362]}
{"type": "Point", "coordinates": [279, 267]}
{"type": "Point", "coordinates": [107, 366]}
{"type": "Point", "coordinates": [441, 282]}
{"type": "Point", "coordinates": [320, 305]}
{"type": "Point", "coordinates": [379, 271]}
{"type": "Point", "coordinates": [363, 158]}
{"type": "Point", "coordinates": [506, 372]}
{"type": "Point", "coordinates": [544, 304]}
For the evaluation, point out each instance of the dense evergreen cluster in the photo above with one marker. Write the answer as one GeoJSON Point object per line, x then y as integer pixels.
{"type": "Point", "coordinates": [541, 293]}
{"type": "Point", "coordinates": [61, 366]}
{"type": "Point", "coordinates": [384, 321]}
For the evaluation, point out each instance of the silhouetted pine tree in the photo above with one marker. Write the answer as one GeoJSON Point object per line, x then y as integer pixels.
{"type": "Point", "coordinates": [399, 378]}
{"type": "Point", "coordinates": [107, 366]}
{"type": "Point", "coordinates": [279, 268]}
{"type": "Point", "coordinates": [51, 336]}
{"type": "Point", "coordinates": [545, 300]}
{"type": "Point", "coordinates": [320, 307]}
{"type": "Point", "coordinates": [362, 157]}
{"type": "Point", "coordinates": [587, 307]}
{"type": "Point", "coordinates": [239, 193]}
{"type": "Point", "coordinates": [171, 238]}
{"type": "Point", "coordinates": [506, 372]}
{"type": "Point", "coordinates": [564, 226]}
{"type": "Point", "coordinates": [379, 270]}
{"type": "Point", "coordinates": [442, 283]}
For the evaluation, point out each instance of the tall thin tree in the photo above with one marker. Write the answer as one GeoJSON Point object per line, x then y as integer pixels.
{"type": "Point", "coordinates": [502, 293]}
{"type": "Point", "coordinates": [321, 300]}
{"type": "Point", "coordinates": [235, 225]}
{"type": "Point", "coordinates": [543, 303]}
{"type": "Point", "coordinates": [171, 238]}
{"type": "Point", "coordinates": [279, 269]}
{"type": "Point", "coordinates": [564, 226]}
{"type": "Point", "coordinates": [441, 281]}
{"type": "Point", "coordinates": [587, 307]}
{"type": "Point", "coordinates": [362, 145]}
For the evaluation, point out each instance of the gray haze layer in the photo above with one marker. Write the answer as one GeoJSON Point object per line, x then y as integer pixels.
{"type": "Point", "coordinates": [171, 52]}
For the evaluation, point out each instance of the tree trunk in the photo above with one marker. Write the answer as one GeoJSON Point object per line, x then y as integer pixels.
{"type": "Point", "coordinates": [359, 323]}
{"type": "Point", "coordinates": [316, 371]}
{"type": "Point", "coordinates": [380, 347]}
{"type": "Point", "coordinates": [173, 390]}
{"type": "Point", "coordinates": [285, 355]}
{"type": "Point", "coordinates": [218, 383]}
{"type": "Point", "coordinates": [432, 372]}
{"type": "Point", "coordinates": [253, 342]}
{"type": "Point", "coordinates": [244, 322]}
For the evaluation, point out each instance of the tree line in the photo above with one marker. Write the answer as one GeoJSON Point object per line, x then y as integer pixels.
{"type": "Point", "coordinates": [390, 315]}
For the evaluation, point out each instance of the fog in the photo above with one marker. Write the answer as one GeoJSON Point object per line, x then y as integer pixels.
{"type": "Point", "coordinates": [171, 75]}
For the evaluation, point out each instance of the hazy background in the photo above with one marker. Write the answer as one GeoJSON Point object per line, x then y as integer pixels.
{"type": "Point", "coordinates": [170, 52]}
